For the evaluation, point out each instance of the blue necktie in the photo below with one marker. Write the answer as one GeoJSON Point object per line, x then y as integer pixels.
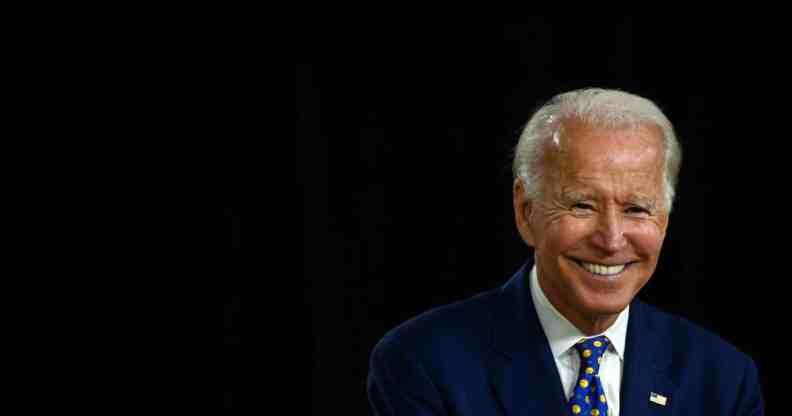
{"type": "Point", "coordinates": [589, 397]}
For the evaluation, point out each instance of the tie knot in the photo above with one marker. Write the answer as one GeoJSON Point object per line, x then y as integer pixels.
{"type": "Point", "coordinates": [592, 348]}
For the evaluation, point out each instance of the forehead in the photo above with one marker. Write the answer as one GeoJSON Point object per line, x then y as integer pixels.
{"type": "Point", "coordinates": [581, 152]}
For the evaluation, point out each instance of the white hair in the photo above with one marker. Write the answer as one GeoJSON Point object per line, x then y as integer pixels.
{"type": "Point", "coordinates": [598, 107]}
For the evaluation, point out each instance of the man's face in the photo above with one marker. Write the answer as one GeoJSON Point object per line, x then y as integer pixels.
{"type": "Point", "coordinates": [602, 205]}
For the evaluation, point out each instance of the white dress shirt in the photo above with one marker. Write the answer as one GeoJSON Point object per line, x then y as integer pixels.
{"type": "Point", "coordinates": [562, 336]}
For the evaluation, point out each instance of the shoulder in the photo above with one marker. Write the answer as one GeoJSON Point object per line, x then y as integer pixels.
{"type": "Point", "coordinates": [691, 343]}
{"type": "Point", "coordinates": [708, 370]}
{"type": "Point", "coordinates": [463, 325]}
{"type": "Point", "coordinates": [418, 363]}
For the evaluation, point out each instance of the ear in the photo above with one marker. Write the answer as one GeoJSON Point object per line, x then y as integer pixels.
{"type": "Point", "coordinates": [523, 208]}
{"type": "Point", "coordinates": [664, 224]}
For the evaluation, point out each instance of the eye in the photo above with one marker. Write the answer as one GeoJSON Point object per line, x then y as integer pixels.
{"type": "Point", "coordinates": [636, 210]}
{"type": "Point", "coordinates": [582, 205]}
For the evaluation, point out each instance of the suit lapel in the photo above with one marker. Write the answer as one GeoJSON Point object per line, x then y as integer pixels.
{"type": "Point", "coordinates": [523, 374]}
{"type": "Point", "coordinates": [646, 367]}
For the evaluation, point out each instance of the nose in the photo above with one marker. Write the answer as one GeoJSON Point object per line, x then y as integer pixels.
{"type": "Point", "coordinates": [609, 235]}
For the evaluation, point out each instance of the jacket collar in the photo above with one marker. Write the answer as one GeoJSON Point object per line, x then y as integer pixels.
{"type": "Point", "coordinates": [524, 374]}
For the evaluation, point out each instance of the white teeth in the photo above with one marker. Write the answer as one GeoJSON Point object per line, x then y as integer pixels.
{"type": "Point", "coordinates": [602, 269]}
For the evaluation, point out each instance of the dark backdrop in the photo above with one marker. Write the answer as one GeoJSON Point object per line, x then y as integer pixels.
{"type": "Point", "coordinates": [404, 134]}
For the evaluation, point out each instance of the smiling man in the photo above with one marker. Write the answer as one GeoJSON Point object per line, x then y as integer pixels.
{"type": "Point", "coordinates": [595, 172]}
{"type": "Point", "coordinates": [597, 220]}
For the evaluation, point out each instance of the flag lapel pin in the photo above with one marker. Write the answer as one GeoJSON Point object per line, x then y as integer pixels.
{"type": "Point", "coordinates": [658, 399]}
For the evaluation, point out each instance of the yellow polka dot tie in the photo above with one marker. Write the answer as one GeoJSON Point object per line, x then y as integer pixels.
{"type": "Point", "coordinates": [589, 397]}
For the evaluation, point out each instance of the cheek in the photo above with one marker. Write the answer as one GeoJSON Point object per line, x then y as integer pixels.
{"type": "Point", "coordinates": [568, 232]}
{"type": "Point", "coordinates": [647, 238]}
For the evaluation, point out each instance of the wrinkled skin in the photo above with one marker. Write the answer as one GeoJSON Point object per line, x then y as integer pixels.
{"type": "Point", "coordinates": [602, 202]}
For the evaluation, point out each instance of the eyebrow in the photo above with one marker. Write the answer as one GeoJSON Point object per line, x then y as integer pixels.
{"type": "Point", "coordinates": [575, 196]}
{"type": "Point", "coordinates": [645, 202]}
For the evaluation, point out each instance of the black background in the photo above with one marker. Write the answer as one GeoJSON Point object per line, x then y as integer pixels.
{"type": "Point", "coordinates": [404, 133]}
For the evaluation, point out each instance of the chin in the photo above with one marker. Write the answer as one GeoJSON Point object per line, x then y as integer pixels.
{"type": "Point", "coordinates": [606, 306]}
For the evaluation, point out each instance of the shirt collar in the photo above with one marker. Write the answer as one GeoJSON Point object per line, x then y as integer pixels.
{"type": "Point", "coordinates": [561, 334]}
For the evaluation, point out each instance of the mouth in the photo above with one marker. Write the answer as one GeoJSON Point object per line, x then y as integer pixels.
{"type": "Point", "coordinates": [604, 270]}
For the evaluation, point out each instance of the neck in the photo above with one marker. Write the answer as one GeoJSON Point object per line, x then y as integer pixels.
{"type": "Point", "coordinates": [593, 326]}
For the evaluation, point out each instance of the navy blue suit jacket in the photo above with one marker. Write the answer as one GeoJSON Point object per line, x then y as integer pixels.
{"type": "Point", "coordinates": [488, 355]}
